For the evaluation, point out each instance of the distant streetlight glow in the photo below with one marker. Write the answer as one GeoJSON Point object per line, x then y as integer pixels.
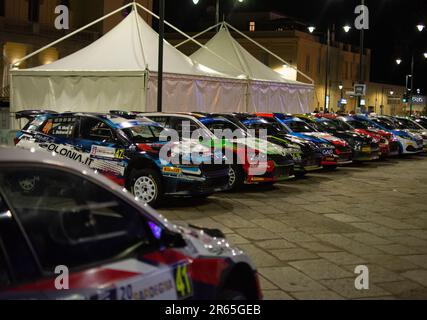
{"type": "Point", "coordinates": [391, 92]}
{"type": "Point", "coordinates": [398, 61]}
{"type": "Point", "coordinates": [311, 29]}
{"type": "Point", "coordinates": [425, 55]}
{"type": "Point", "coordinates": [341, 87]}
{"type": "Point", "coordinates": [347, 28]}
{"type": "Point", "coordinates": [195, 1]}
{"type": "Point", "coordinates": [420, 27]}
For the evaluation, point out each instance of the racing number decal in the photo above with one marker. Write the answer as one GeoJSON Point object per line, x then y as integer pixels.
{"type": "Point", "coordinates": [184, 289]}
{"type": "Point", "coordinates": [120, 153]}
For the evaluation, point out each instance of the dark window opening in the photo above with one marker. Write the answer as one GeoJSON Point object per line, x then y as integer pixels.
{"type": "Point", "coordinates": [2, 8]}
{"type": "Point", "coordinates": [33, 10]}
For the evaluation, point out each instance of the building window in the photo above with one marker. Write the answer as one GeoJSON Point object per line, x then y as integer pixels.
{"type": "Point", "coordinates": [33, 10]}
{"type": "Point", "coordinates": [2, 8]}
{"type": "Point", "coordinates": [307, 64]}
{"type": "Point", "coordinates": [252, 26]}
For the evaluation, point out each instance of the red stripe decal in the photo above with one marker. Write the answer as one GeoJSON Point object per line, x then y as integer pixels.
{"type": "Point", "coordinates": [94, 278]}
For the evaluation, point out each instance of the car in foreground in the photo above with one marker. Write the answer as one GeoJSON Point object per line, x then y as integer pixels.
{"type": "Point", "coordinates": [84, 237]}
{"type": "Point", "coordinates": [306, 155]}
{"type": "Point", "coordinates": [365, 148]}
{"type": "Point", "coordinates": [127, 152]}
{"type": "Point", "coordinates": [279, 163]}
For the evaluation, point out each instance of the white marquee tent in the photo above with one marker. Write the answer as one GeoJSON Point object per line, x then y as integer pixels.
{"type": "Point", "coordinates": [119, 71]}
{"type": "Point", "coordinates": [269, 91]}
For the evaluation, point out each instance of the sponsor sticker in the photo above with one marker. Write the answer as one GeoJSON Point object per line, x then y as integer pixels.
{"type": "Point", "coordinates": [173, 170]}
{"type": "Point", "coordinates": [184, 287]}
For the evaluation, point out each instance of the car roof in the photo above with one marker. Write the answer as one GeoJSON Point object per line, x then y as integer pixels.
{"type": "Point", "coordinates": [18, 156]}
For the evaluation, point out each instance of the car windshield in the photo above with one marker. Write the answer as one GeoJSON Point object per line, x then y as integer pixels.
{"type": "Point", "coordinates": [327, 125]}
{"type": "Point", "coordinates": [407, 124]}
{"type": "Point", "coordinates": [359, 124]}
{"type": "Point", "coordinates": [343, 126]}
{"type": "Point", "coordinates": [389, 125]}
{"type": "Point", "coordinates": [422, 122]}
{"type": "Point", "coordinates": [143, 133]}
{"type": "Point", "coordinates": [260, 124]}
{"type": "Point", "coordinates": [300, 127]}
{"type": "Point", "coordinates": [218, 125]}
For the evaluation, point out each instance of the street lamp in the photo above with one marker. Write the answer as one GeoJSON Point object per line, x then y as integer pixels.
{"type": "Point", "coordinates": [347, 28]}
{"type": "Point", "coordinates": [195, 1]}
{"type": "Point", "coordinates": [425, 55]}
{"type": "Point", "coordinates": [398, 61]}
{"type": "Point", "coordinates": [311, 29]}
{"type": "Point", "coordinates": [391, 92]}
{"type": "Point", "coordinates": [421, 27]}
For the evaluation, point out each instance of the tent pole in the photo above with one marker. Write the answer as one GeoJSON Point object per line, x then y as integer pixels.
{"type": "Point", "coordinates": [160, 68]}
{"type": "Point", "coordinates": [16, 64]}
{"type": "Point", "coordinates": [197, 35]}
{"type": "Point", "coordinates": [189, 38]}
{"type": "Point", "coordinates": [268, 51]}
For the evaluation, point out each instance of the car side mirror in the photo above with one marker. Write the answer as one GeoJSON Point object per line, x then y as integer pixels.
{"type": "Point", "coordinates": [172, 239]}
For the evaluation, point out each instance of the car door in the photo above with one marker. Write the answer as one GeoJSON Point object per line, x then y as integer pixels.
{"type": "Point", "coordinates": [94, 236]}
{"type": "Point", "coordinates": [101, 148]}
{"type": "Point", "coordinates": [18, 263]}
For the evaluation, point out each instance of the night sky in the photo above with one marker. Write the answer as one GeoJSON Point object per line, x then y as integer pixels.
{"type": "Point", "coordinates": [392, 31]}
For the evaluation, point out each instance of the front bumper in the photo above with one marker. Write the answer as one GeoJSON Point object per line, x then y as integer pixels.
{"type": "Point", "coordinates": [366, 156]}
{"type": "Point", "coordinates": [209, 182]}
{"type": "Point", "coordinates": [279, 173]}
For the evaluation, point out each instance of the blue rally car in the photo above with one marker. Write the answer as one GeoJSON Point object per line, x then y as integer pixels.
{"type": "Point", "coordinates": [126, 151]}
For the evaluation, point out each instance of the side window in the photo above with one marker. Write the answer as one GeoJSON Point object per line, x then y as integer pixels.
{"type": "Point", "coordinates": [4, 273]}
{"type": "Point", "coordinates": [59, 127]}
{"type": "Point", "coordinates": [70, 220]}
{"type": "Point", "coordinates": [95, 130]}
{"type": "Point", "coordinates": [184, 126]}
{"type": "Point", "coordinates": [14, 247]}
{"type": "Point", "coordinates": [160, 120]}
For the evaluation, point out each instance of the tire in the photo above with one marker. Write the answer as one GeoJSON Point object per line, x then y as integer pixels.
{"type": "Point", "coordinates": [147, 185]}
{"type": "Point", "coordinates": [300, 175]}
{"type": "Point", "coordinates": [232, 295]}
{"type": "Point", "coordinates": [330, 168]}
{"type": "Point", "coordinates": [236, 178]}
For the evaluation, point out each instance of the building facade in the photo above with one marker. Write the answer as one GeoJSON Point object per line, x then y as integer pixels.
{"type": "Point", "coordinates": [291, 40]}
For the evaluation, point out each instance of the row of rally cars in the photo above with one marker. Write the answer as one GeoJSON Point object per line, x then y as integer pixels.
{"type": "Point", "coordinates": [55, 213]}
{"type": "Point", "coordinates": [128, 147]}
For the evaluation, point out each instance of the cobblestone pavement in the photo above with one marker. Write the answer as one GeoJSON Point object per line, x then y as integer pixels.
{"type": "Point", "coordinates": [307, 236]}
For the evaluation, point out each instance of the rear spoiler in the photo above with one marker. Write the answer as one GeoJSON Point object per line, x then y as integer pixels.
{"type": "Point", "coordinates": [31, 114]}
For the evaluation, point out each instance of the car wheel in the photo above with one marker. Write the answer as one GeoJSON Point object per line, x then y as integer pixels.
{"type": "Point", "coordinates": [236, 178]}
{"type": "Point", "coordinates": [331, 168]}
{"type": "Point", "coordinates": [300, 174]}
{"type": "Point", "coordinates": [146, 185]}
{"type": "Point", "coordinates": [232, 295]}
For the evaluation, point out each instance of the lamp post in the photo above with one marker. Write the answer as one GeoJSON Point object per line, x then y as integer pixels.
{"type": "Point", "coordinates": [160, 67]}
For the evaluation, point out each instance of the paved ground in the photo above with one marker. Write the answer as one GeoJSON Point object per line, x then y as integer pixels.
{"type": "Point", "coordinates": [307, 236]}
